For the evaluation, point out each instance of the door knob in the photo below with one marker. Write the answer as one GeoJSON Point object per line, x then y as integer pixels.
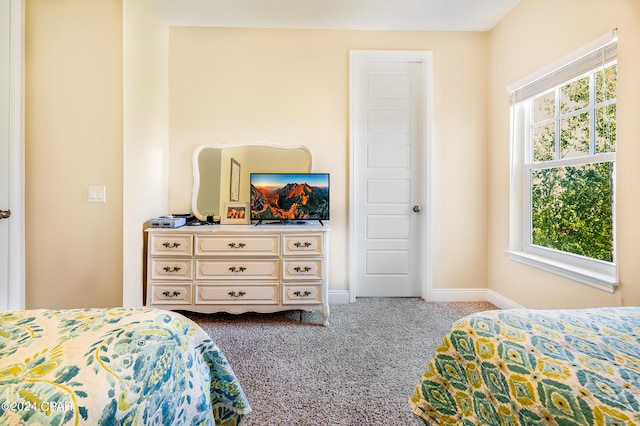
{"type": "Point", "coordinates": [4, 214]}
{"type": "Point", "coordinates": [416, 209]}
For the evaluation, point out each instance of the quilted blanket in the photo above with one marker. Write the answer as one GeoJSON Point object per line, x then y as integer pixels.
{"type": "Point", "coordinates": [535, 367]}
{"type": "Point", "coordinates": [113, 366]}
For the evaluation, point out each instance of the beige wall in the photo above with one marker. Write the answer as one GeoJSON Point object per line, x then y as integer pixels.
{"type": "Point", "coordinates": [146, 135]}
{"type": "Point", "coordinates": [536, 33]}
{"type": "Point", "coordinates": [291, 87]}
{"type": "Point", "coordinates": [227, 85]}
{"type": "Point", "coordinates": [284, 86]}
{"type": "Point", "coordinates": [73, 139]}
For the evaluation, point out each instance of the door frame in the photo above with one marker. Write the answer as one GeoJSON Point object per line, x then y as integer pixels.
{"type": "Point", "coordinates": [425, 58]}
{"type": "Point", "coordinates": [15, 297]}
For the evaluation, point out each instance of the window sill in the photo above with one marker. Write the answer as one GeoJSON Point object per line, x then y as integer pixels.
{"type": "Point", "coordinates": [597, 280]}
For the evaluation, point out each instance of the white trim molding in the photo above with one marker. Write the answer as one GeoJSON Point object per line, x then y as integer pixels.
{"type": "Point", "coordinates": [444, 295]}
{"type": "Point", "coordinates": [16, 288]}
{"type": "Point", "coordinates": [598, 280]}
{"type": "Point", "coordinates": [339, 297]}
{"type": "Point", "coordinates": [458, 295]}
{"type": "Point", "coordinates": [472, 295]}
{"type": "Point", "coordinates": [502, 302]}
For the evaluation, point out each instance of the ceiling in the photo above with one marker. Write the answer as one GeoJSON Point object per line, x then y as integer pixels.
{"type": "Point", "coordinates": [393, 15]}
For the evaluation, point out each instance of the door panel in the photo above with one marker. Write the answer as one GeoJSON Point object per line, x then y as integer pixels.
{"type": "Point", "coordinates": [388, 122]}
{"type": "Point", "coordinates": [386, 139]}
{"type": "Point", "coordinates": [11, 191]}
{"type": "Point", "coordinates": [388, 263]}
{"type": "Point", "coordinates": [388, 156]}
{"type": "Point", "coordinates": [387, 227]}
{"type": "Point", "coordinates": [383, 192]}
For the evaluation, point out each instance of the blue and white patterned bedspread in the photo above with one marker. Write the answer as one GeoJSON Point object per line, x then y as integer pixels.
{"type": "Point", "coordinates": [535, 367]}
{"type": "Point", "coordinates": [113, 366]}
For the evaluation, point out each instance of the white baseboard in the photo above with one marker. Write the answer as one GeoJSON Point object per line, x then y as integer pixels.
{"type": "Point", "coordinates": [339, 297]}
{"type": "Point", "coordinates": [458, 295]}
{"type": "Point", "coordinates": [445, 295]}
{"type": "Point", "coordinates": [501, 302]}
{"type": "Point", "coordinates": [472, 295]}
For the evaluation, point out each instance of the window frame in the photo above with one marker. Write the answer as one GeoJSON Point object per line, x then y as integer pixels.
{"type": "Point", "coordinates": [593, 272]}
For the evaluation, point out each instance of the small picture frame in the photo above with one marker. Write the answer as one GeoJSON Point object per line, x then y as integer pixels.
{"type": "Point", "coordinates": [236, 214]}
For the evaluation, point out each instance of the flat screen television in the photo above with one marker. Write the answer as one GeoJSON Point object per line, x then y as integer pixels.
{"type": "Point", "coordinates": [289, 197]}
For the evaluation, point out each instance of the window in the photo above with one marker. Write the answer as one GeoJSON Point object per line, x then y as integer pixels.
{"type": "Point", "coordinates": [563, 169]}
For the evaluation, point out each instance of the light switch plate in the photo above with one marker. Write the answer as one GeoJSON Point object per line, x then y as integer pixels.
{"type": "Point", "coordinates": [97, 194]}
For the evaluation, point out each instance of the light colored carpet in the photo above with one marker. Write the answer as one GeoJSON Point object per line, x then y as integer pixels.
{"type": "Point", "coordinates": [360, 370]}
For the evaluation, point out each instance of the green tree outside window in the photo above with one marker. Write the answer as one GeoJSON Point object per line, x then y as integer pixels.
{"type": "Point", "coordinates": [572, 205]}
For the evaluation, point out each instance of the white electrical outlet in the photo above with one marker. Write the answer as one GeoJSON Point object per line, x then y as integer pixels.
{"type": "Point", "coordinates": [97, 194]}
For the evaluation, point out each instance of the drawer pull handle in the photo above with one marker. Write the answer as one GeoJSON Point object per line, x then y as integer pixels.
{"type": "Point", "coordinates": [239, 269]}
{"type": "Point", "coordinates": [238, 245]}
{"type": "Point", "coordinates": [171, 294]}
{"type": "Point", "coordinates": [172, 269]}
{"type": "Point", "coordinates": [302, 269]}
{"type": "Point", "coordinates": [305, 244]}
{"type": "Point", "coordinates": [238, 294]}
{"type": "Point", "coordinates": [171, 245]}
{"type": "Point", "coordinates": [302, 293]}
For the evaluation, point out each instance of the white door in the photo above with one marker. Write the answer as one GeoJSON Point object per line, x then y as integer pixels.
{"type": "Point", "coordinates": [4, 152]}
{"type": "Point", "coordinates": [11, 252]}
{"type": "Point", "coordinates": [387, 108]}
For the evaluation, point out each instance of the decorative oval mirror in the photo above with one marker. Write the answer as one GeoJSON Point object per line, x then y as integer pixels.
{"type": "Point", "coordinates": [221, 172]}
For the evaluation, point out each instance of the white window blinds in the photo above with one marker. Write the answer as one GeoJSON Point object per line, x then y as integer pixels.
{"type": "Point", "coordinates": [596, 57]}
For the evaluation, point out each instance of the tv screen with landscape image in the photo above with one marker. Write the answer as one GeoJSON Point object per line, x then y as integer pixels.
{"type": "Point", "coordinates": [289, 197]}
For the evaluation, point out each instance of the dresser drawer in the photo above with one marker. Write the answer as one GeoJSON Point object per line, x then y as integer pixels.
{"type": "Point", "coordinates": [171, 269]}
{"type": "Point", "coordinates": [171, 245]}
{"type": "Point", "coordinates": [171, 294]}
{"type": "Point", "coordinates": [237, 269]}
{"type": "Point", "coordinates": [241, 245]}
{"type": "Point", "coordinates": [302, 269]}
{"type": "Point", "coordinates": [301, 294]}
{"type": "Point", "coordinates": [304, 245]}
{"type": "Point", "coordinates": [240, 294]}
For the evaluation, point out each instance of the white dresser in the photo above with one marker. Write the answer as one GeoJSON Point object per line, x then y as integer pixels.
{"type": "Point", "coordinates": [238, 268]}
